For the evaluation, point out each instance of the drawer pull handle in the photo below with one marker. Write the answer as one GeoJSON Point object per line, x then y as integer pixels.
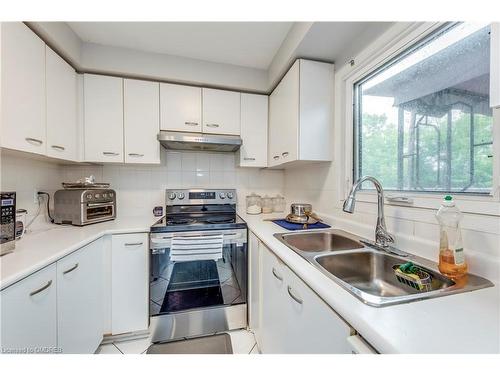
{"type": "Point", "coordinates": [34, 140]}
{"type": "Point", "coordinates": [251, 159]}
{"type": "Point", "coordinates": [107, 153]}
{"type": "Point", "coordinates": [275, 274]}
{"type": "Point", "coordinates": [39, 290]}
{"type": "Point", "coordinates": [212, 125]}
{"type": "Point", "coordinates": [71, 269]}
{"type": "Point", "coordinates": [285, 154]}
{"type": "Point", "coordinates": [276, 157]}
{"type": "Point", "coordinates": [191, 123]}
{"type": "Point", "coordinates": [60, 148]}
{"type": "Point", "coordinates": [136, 155]}
{"type": "Point", "coordinates": [295, 298]}
{"type": "Point", "coordinates": [134, 243]}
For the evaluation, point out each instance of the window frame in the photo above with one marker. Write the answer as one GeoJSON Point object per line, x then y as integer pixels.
{"type": "Point", "coordinates": [398, 41]}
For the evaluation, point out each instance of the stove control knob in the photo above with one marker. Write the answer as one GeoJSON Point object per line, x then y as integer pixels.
{"type": "Point", "coordinates": [171, 196]}
{"type": "Point", "coordinates": [89, 196]}
{"type": "Point", "coordinates": [230, 195]}
{"type": "Point", "coordinates": [181, 196]}
{"type": "Point", "coordinates": [222, 195]}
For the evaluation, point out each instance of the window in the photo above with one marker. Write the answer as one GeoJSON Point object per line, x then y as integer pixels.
{"type": "Point", "coordinates": [423, 120]}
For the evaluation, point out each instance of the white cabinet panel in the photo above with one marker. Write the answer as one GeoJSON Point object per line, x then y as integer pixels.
{"type": "Point", "coordinates": [254, 121]}
{"type": "Point", "coordinates": [23, 89]}
{"type": "Point", "coordinates": [495, 65]}
{"type": "Point", "coordinates": [221, 112]}
{"type": "Point", "coordinates": [254, 291]}
{"type": "Point", "coordinates": [79, 300]}
{"type": "Point", "coordinates": [29, 312]}
{"type": "Point", "coordinates": [103, 111]}
{"type": "Point", "coordinates": [129, 283]}
{"type": "Point", "coordinates": [180, 108]}
{"type": "Point", "coordinates": [141, 116]}
{"type": "Point", "coordinates": [61, 91]}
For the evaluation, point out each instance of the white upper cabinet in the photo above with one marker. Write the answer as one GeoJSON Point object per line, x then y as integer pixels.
{"type": "Point", "coordinates": [254, 120]}
{"type": "Point", "coordinates": [495, 65]}
{"type": "Point", "coordinates": [61, 91]}
{"type": "Point", "coordinates": [141, 116]}
{"type": "Point", "coordinates": [180, 108]}
{"type": "Point", "coordinates": [103, 113]}
{"type": "Point", "coordinates": [29, 318]}
{"type": "Point", "coordinates": [79, 300]}
{"type": "Point", "coordinates": [301, 114]}
{"type": "Point", "coordinates": [221, 112]}
{"type": "Point", "coordinates": [23, 89]}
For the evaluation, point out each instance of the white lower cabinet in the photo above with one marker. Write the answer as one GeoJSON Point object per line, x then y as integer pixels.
{"type": "Point", "coordinates": [79, 300]}
{"type": "Point", "coordinates": [28, 322]}
{"type": "Point", "coordinates": [294, 318]}
{"type": "Point", "coordinates": [129, 283]}
{"type": "Point", "coordinates": [254, 283]}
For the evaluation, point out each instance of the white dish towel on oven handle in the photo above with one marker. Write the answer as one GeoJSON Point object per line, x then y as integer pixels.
{"type": "Point", "coordinates": [185, 248]}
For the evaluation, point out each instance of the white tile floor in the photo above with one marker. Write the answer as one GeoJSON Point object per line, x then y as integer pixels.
{"type": "Point", "coordinates": [243, 342]}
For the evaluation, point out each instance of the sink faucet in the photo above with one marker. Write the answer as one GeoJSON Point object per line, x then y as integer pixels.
{"type": "Point", "coordinates": [382, 237]}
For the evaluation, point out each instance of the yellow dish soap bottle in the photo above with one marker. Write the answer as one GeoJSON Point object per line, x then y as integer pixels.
{"type": "Point", "coordinates": [451, 251]}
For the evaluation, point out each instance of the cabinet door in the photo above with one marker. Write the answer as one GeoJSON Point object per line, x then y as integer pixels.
{"type": "Point", "coordinates": [103, 102]}
{"type": "Point", "coordinates": [254, 120]}
{"type": "Point", "coordinates": [61, 91]}
{"type": "Point", "coordinates": [254, 291]}
{"type": "Point", "coordinates": [29, 312]}
{"type": "Point", "coordinates": [284, 119]}
{"type": "Point", "coordinates": [23, 89]}
{"type": "Point", "coordinates": [141, 116]}
{"type": "Point", "coordinates": [273, 324]}
{"type": "Point", "coordinates": [79, 300]}
{"type": "Point", "coordinates": [221, 112]}
{"type": "Point", "coordinates": [313, 327]}
{"type": "Point", "coordinates": [180, 108]}
{"type": "Point", "coordinates": [129, 283]}
{"type": "Point", "coordinates": [495, 65]}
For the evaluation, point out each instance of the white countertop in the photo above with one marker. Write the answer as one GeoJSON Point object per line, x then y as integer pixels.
{"type": "Point", "coordinates": [460, 323]}
{"type": "Point", "coordinates": [42, 247]}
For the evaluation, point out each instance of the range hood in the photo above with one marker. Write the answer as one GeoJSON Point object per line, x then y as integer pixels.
{"type": "Point", "coordinates": [199, 142]}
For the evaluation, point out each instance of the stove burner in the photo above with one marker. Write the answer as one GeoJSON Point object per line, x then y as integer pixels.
{"type": "Point", "coordinates": [220, 220]}
{"type": "Point", "coordinates": [180, 221]}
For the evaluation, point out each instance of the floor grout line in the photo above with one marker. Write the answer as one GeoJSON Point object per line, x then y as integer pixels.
{"type": "Point", "coordinates": [117, 348]}
{"type": "Point", "coordinates": [254, 345]}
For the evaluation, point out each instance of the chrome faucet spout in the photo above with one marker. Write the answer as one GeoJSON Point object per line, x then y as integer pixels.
{"type": "Point", "coordinates": [382, 236]}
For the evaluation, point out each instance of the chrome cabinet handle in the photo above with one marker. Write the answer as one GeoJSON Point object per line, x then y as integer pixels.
{"type": "Point", "coordinates": [60, 148]}
{"type": "Point", "coordinates": [212, 125]}
{"type": "Point", "coordinates": [134, 243]}
{"type": "Point", "coordinates": [136, 155]}
{"type": "Point", "coordinates": [191, 123]}
{"type": "Point", "coordinates": [295, 298]}
{"type": "Point", "coordinates": [107, 153]}
{"type": "Point", "coordinates": [71, 269]}
{"type": "Point", "coordinates": [285, 154]}
{"type": "Point", "coordinates": [280, 278]}
{"type": "Point", "coordinates": [39, 290]}
{"type": "Point", "coordinates": [276, 157]}
{"type": "Point", "coordinates": [33, 140]}
{"type": "Point", "coordinates": [251, 159]}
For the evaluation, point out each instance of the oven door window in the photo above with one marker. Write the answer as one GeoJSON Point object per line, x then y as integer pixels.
{"type": "Point", "coordinates": [99, 212]}
{"type": "Point", "coordinates": [179, 286]}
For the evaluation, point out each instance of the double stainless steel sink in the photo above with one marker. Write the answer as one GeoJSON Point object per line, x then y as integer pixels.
{"type": "Point", "coordinates": [367, 271]}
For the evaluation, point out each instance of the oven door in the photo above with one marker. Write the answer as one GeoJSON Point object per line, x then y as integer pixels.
{"type": "Point", "coordinates": [180, 284]}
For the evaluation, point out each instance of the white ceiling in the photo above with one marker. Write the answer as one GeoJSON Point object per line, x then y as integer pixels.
{"type": "Point", "coordinates": [250, 44]}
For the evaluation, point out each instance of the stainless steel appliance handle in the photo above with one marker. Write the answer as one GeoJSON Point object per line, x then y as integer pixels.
{"type": "Point", "coordinates": [60, 148]}
{"type": "Point", "coordinates": [39, 290]}
{"type": "Point", "coordinates": [108, 153]}
{"type": "Point", "coordinates": [33, 140]}
{"type": "Point", "coordinates": [275, 274]}
{"type": "Point", "coordinates": [133, 154]}
{"type": "Point", "coordinates": [294, 297]}
{"type": "Point", "coordinates": [212, 125]}
{"type": "Point", "coordinates": [71, 269]}
{"type": "Point", "coordinates": [102, 204]}
{"type": "Point", "coordinates": [191, 123]}
{"type": "Point", "coordinates": [134, 243]}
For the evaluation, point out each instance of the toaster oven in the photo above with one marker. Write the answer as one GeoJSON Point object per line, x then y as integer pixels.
{"type": "Point", "coordinates": [84, 206]}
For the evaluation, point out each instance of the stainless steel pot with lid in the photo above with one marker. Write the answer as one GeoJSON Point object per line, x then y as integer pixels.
{"type": "Point", "coordinates": [301, 213]}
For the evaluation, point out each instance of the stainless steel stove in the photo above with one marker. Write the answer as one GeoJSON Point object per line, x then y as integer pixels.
{"type": "Point", "coordinates": [198, 265]}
